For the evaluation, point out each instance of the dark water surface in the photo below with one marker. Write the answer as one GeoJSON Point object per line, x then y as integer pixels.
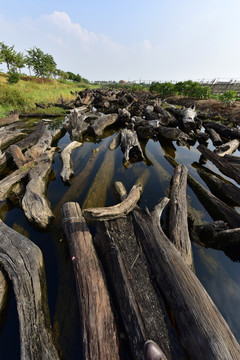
{"type": "Point", "coordinates": [215, 269]}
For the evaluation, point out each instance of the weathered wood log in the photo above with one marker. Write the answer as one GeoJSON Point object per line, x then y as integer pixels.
{"type": "Point", "coordinates": [224, 190]}
{"type": "Point", "coordinates": [3, 291]}
{"type": "Point", "coordinates": [226, 238]}
{"type": "Point", "coordinates": [33, 137]}
{"type": "Point", "coordinates": [227, 168]}
{"type": "Point", "coordinates": [142, 309]}
{"type": "Point", "coordinates": [215, 207]}
{"type": "Point", "coordinates": [9, 181]}
{"type": "Point", "coordinates": [34, 203]}
{"type": "Point", "coordinates": [17, 155]}
{"type": "Point", "coordinates": [100, 340]}
{"type": "Point", "coordinates": [215, 137]}
{"type": "Point", "coordinates": [79, 122]}
{"type": "Point", "coordinates": [23, 262]}
{"type": "Point", "coordinates": [202, 329]}
{"type": "Point", "coordinates": [115, 211]}
{"type": "Point", "coordinates": [202, 137]}
{"type": "Point", "coordinates": [227, 148]}
{"type": "Point", "coordinates": [67, 170]}
{"type": "Point", "coordinates": [97, 128]}
{"type": "Point", "coordinates": [152, 350]}
{"type": "Point", "coordinates": [173, 134]}
{"type": "Point", "coordinates": [8, 137]}
{"type": "Point", "coordinates": [130, 145]}
{"type": "Point", "coordinates": [13, 117]}
{"type": "Point", "coordinates": [115, 141]}
{"type": "Point", "coordinates": [188, 118]}
{"type": "Point", "coordinates": [178, 223]}
{"type": "Point", "coordinates": [223, 130]}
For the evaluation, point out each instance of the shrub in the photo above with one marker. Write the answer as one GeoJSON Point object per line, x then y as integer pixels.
{"type": "Point", "coordinates": [164, 89]}
{"type": "Point", "coordinates": [13, 76]}
{"type": "Point", "coordinates": [228, 97]}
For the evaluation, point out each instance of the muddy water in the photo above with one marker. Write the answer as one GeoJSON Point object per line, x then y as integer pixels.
{"type": "Point", "coordinates": [92, 185]}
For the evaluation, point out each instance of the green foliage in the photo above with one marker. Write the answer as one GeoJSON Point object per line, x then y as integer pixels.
{"type": "Point", "coordinates": [43, 65]}
{"type": "Point", "coordinates": [228, 97]}
{"type": "Point", "coordinates": [13, 76]}
{"type": "Point", "coordinates": [137, 87]}
{"type": "Point", "coordinates": [164, 89]}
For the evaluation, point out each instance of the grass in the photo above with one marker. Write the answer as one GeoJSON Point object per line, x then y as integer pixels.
{"type": "Point", "coordinates": [23, 95]}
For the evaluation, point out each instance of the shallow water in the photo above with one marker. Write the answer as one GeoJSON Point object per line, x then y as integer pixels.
{"type": "Point", "coordinates": [96, 175]}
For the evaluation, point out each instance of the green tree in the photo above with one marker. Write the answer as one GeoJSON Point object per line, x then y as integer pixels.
{"type": "Point", "coordinates": [43, 65]}
{"type": "Point", "coordinates": [8, 54]}
{"type": "Point", "coordinates": [19, 61]}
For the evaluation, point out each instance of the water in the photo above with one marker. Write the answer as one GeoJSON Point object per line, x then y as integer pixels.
{"type": "Point", "coordinates": [215, 269]}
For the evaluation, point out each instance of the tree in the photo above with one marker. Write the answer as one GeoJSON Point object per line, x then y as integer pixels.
{"type": "Point", "coordinates": [19, 61]}
{"type": "Point", "coordinates": [8, 54]}
{"type": "Point", "coordinates": [43, 65]}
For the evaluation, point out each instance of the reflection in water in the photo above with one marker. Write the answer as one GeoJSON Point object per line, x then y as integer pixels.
{"type": "Point", "coordinates": [92, 185]}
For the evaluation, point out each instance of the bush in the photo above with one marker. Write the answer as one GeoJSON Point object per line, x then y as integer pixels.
{"type": "Point", "coordinates": [164, 89]}
{"type": "Point", "coordinates": [13, 76]}
{"type": "Point", "coordinates": [228, 97]}
{"type": "Point", "coordinates": [137, 87]}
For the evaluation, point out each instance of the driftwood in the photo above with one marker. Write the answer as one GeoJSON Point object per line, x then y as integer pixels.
{"type": "Point", "coordinates": [223, 130]}
{"type": "Point", "coordinates": [9, 181]}
{"type": "Point", "coordinates": [33, 137]}
{"type": "Point", "coordinates": [215, 137]}
{"type": "Point", "coordinates": [188, 118]}
{"type": "Point", "coordinates": [215, 207]}
{"type": "Point", "coordinates": [224, 165]}
{"type": "Point", "coordinates": [115, 141]}
{"type": "Point", "coordinates": [23, 261]}
{"type": "Point", "coordinates": [10, 135]}
{"type": "Point", "coordinates": [3, 291]}
{"type": "Point", "coordinates": [67, 170]}
{"type": "Point", "coordinates": [14, 117]}
{"type": "Point", "coordinates": [202, 329]}
{"type": "Point", "coordinates": [130, 145]}
{"type": "Point", "coordinates": [224, 190]}
{"type": "Point", "coordinates": [115, 211]}
{"type": "Point", "coordinates": [142, 308]}
{"type": "Point", "coordinates": [227, 148]}
{"type": "Point", "coordinates": [77, 123]}
{"type": "Point", "coordinates": [101, 123]}
{"type": "Point", "coordinates": [172, 134]}
{"type": "Point", "coordinates": [178, 223]}
{"type": "Point", "coordinates": [34, 203]}
{"type": "Point", "coordinates": [98, 325]}
{"type": "Point", "coordinates": [227, 238]}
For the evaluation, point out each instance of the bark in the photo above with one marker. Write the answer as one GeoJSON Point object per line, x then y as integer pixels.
{"type": "Point", "coordinates": [215, 137]}
{"type": "Point", "coordinates": [23, 261]}
{"type": "Point", "coordinates": [227, 148]}
{"type": "Point", "coordinates": [178, 222]}
{"type": "Point", "coordinates": [67, 170]}
{"type": "Point", "coordinates": [202, 329]}
{"type": "Point", "coordinates": [99, 330]}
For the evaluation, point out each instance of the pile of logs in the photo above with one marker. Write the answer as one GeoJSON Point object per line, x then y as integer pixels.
{"type": "Point", "coordinates": [131, 272]}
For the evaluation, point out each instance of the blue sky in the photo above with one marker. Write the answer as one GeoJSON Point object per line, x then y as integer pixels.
{"type": "Point", "coordinates": [130, 40]}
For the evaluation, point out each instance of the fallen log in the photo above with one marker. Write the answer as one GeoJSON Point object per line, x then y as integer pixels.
{"type": "Point", "coordinates": [3, 291]}
{"type": "Point", "coordinates": [202, 329]}
{"type": "Point", "coordinates": [115, 211]}
{"type": "Point", "coordinates": [34, 203]}
{"type": "Point", "coordinates": [141, 307]}
{"type": "Point", "coordinates": [215, 137]}
{"type": "Point", "coordinates": [217, 209]}
{"type": "Point", "coordinates": [23, 262]}
{"type": "Point", "coordinates": [172, 134]}
{"type": "Point", "coordinates": [178, 222]}
{"type": "Point", "coordinates": [79, 122]}
{"type": "Point", "coordinates": [130, 145]}
{"type": "Point", "coordinates": [9, 181]}
{"type": "Point", "coordinates": [97, 128]}
{"type": "Point", "coordinates": [8, 137]}
{"type": "Point", "coordinates": [227, 148]}
{"type": "Point", "coordinates": [67, 170]}
{"type": "Point", "coordinates": [223, 130]}
{"type": "Point", "coordinates": [188, 118]}
{"type": "Point", "coordinates": [100, 340]}
{"type": "Point", "coordinates": [33, 137]}
{"type": "Point", "coordinates": [115, 141]}
{"type": "Point", "coordinates": [226, 238]}
{"type": "Point", "coordinates": [227, 168]}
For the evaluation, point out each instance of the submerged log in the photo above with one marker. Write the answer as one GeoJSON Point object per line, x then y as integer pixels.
{"type": "Point", "coordinates": [225, 166]}
{"type": "Point", "coordinates": [227, 148]}
{"type": "Point", "coordinates": [23, 262]}
{"type": "Point", "coordinates": [130, 145]}
{"type": "Point", "coordinates": [67, 170]}
{"type": "Point", "coordinates": [215, 137]}
{"type": "Point", "coordinates": [225, 131]}
{"type": "Point", "coordinates": [115, 141]}
{"type": "Point", "coordinates": [115, 211]}
{"type": "Point", "coordinates": [178, 222]}
{"type": "Point", "coordinates": [102, 122]}
{"type": "Point", "coordinates": [100, 339]}
{"type": "Point", "coordinates": [34, 203]}
{"type": "Point", "coordinates": [202, 329]}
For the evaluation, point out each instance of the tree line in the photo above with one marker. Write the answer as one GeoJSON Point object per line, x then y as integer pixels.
{"type": "Point", "coordinates": [39, 63]}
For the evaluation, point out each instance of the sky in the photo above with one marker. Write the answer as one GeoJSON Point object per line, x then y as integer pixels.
{"type": "Point", "coordinates": [151, 40]}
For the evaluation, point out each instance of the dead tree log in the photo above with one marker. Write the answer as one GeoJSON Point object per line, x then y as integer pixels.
{"type": "Point", "coordinates": [23, 262]}
{"type": "Point", "coordinates": [9, 181]}
{"type": "Point", "coordinates": [173, 134]}
{"type": "Point", "coordinates": [3, 291]}
{"type": "Point", "coordinates": [115, 211]}
{"type": "Point", "coordinates": [33, 137]}
{"type": "Point", "coordinates": [115, 141]}
{"type": "Point", "coordinates": [8, 137]}
{"type": "Point", "coordinates": [223, 130]}
{"type": "Point", "coordinates": [78, 122]}
{"type": "Point", "coordinates": [101, 123]}
{"type": "Point", "coordinates": [34, 203]}
{"type": "Point", "coordinates": [215, 137]}
{"type": "Point", "coordinates": [227, 148]}
{"type": "Point", "coordinates": [67, 170]}
{"type": "Point", "coordinates": [227, 168]}
{"type": "Point", "coordinates": [178, 222]}
{"type": "Point", "coordinates": [130, 145]}
{"type": "Point", "coordinates": [188, 118]}
{"type": "Point", "coordinates": [202, 329]}
{"type": "Point", "coordinates": [100, 339]}
{"type": "Point", "coordinates": [226, 238]}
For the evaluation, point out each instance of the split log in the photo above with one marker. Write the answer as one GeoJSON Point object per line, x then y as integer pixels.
{"type": "Point", "coordinates": [130, 145]}
{"type": "Point", "coordinates": [223, 130]}
{"type": "Point", "coordinates": [224, 190]}
{"type": "Point", "coordinates": [23, 262]}
{"type": "Point", "coordinates": [141, 307]}
{"type": "Point", "coordinates": [178, 222]}
{"type": "Point", "coordinates": [115, 211]}
{"type": "Point", "coordinates": [34, 203]}
{"type": "Point", "coordinates": [217, 209]}
{"type": "Point", "coordinates": [227, 148]}
{"type": "Point", "coordinates": [202, 329]}
{"type": "Point", "coordinates": [215, 137]}
{"type": "Point", "coordinates": [97, 128]}
{"type": "Point", "coordinates": [231, 170]}
{"type": "Point", "coordinates": [9, 181]}
{"type": "Point", "coordinates": [100, 340]}
{"type": "Point", "coordinates": [67, 170]}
